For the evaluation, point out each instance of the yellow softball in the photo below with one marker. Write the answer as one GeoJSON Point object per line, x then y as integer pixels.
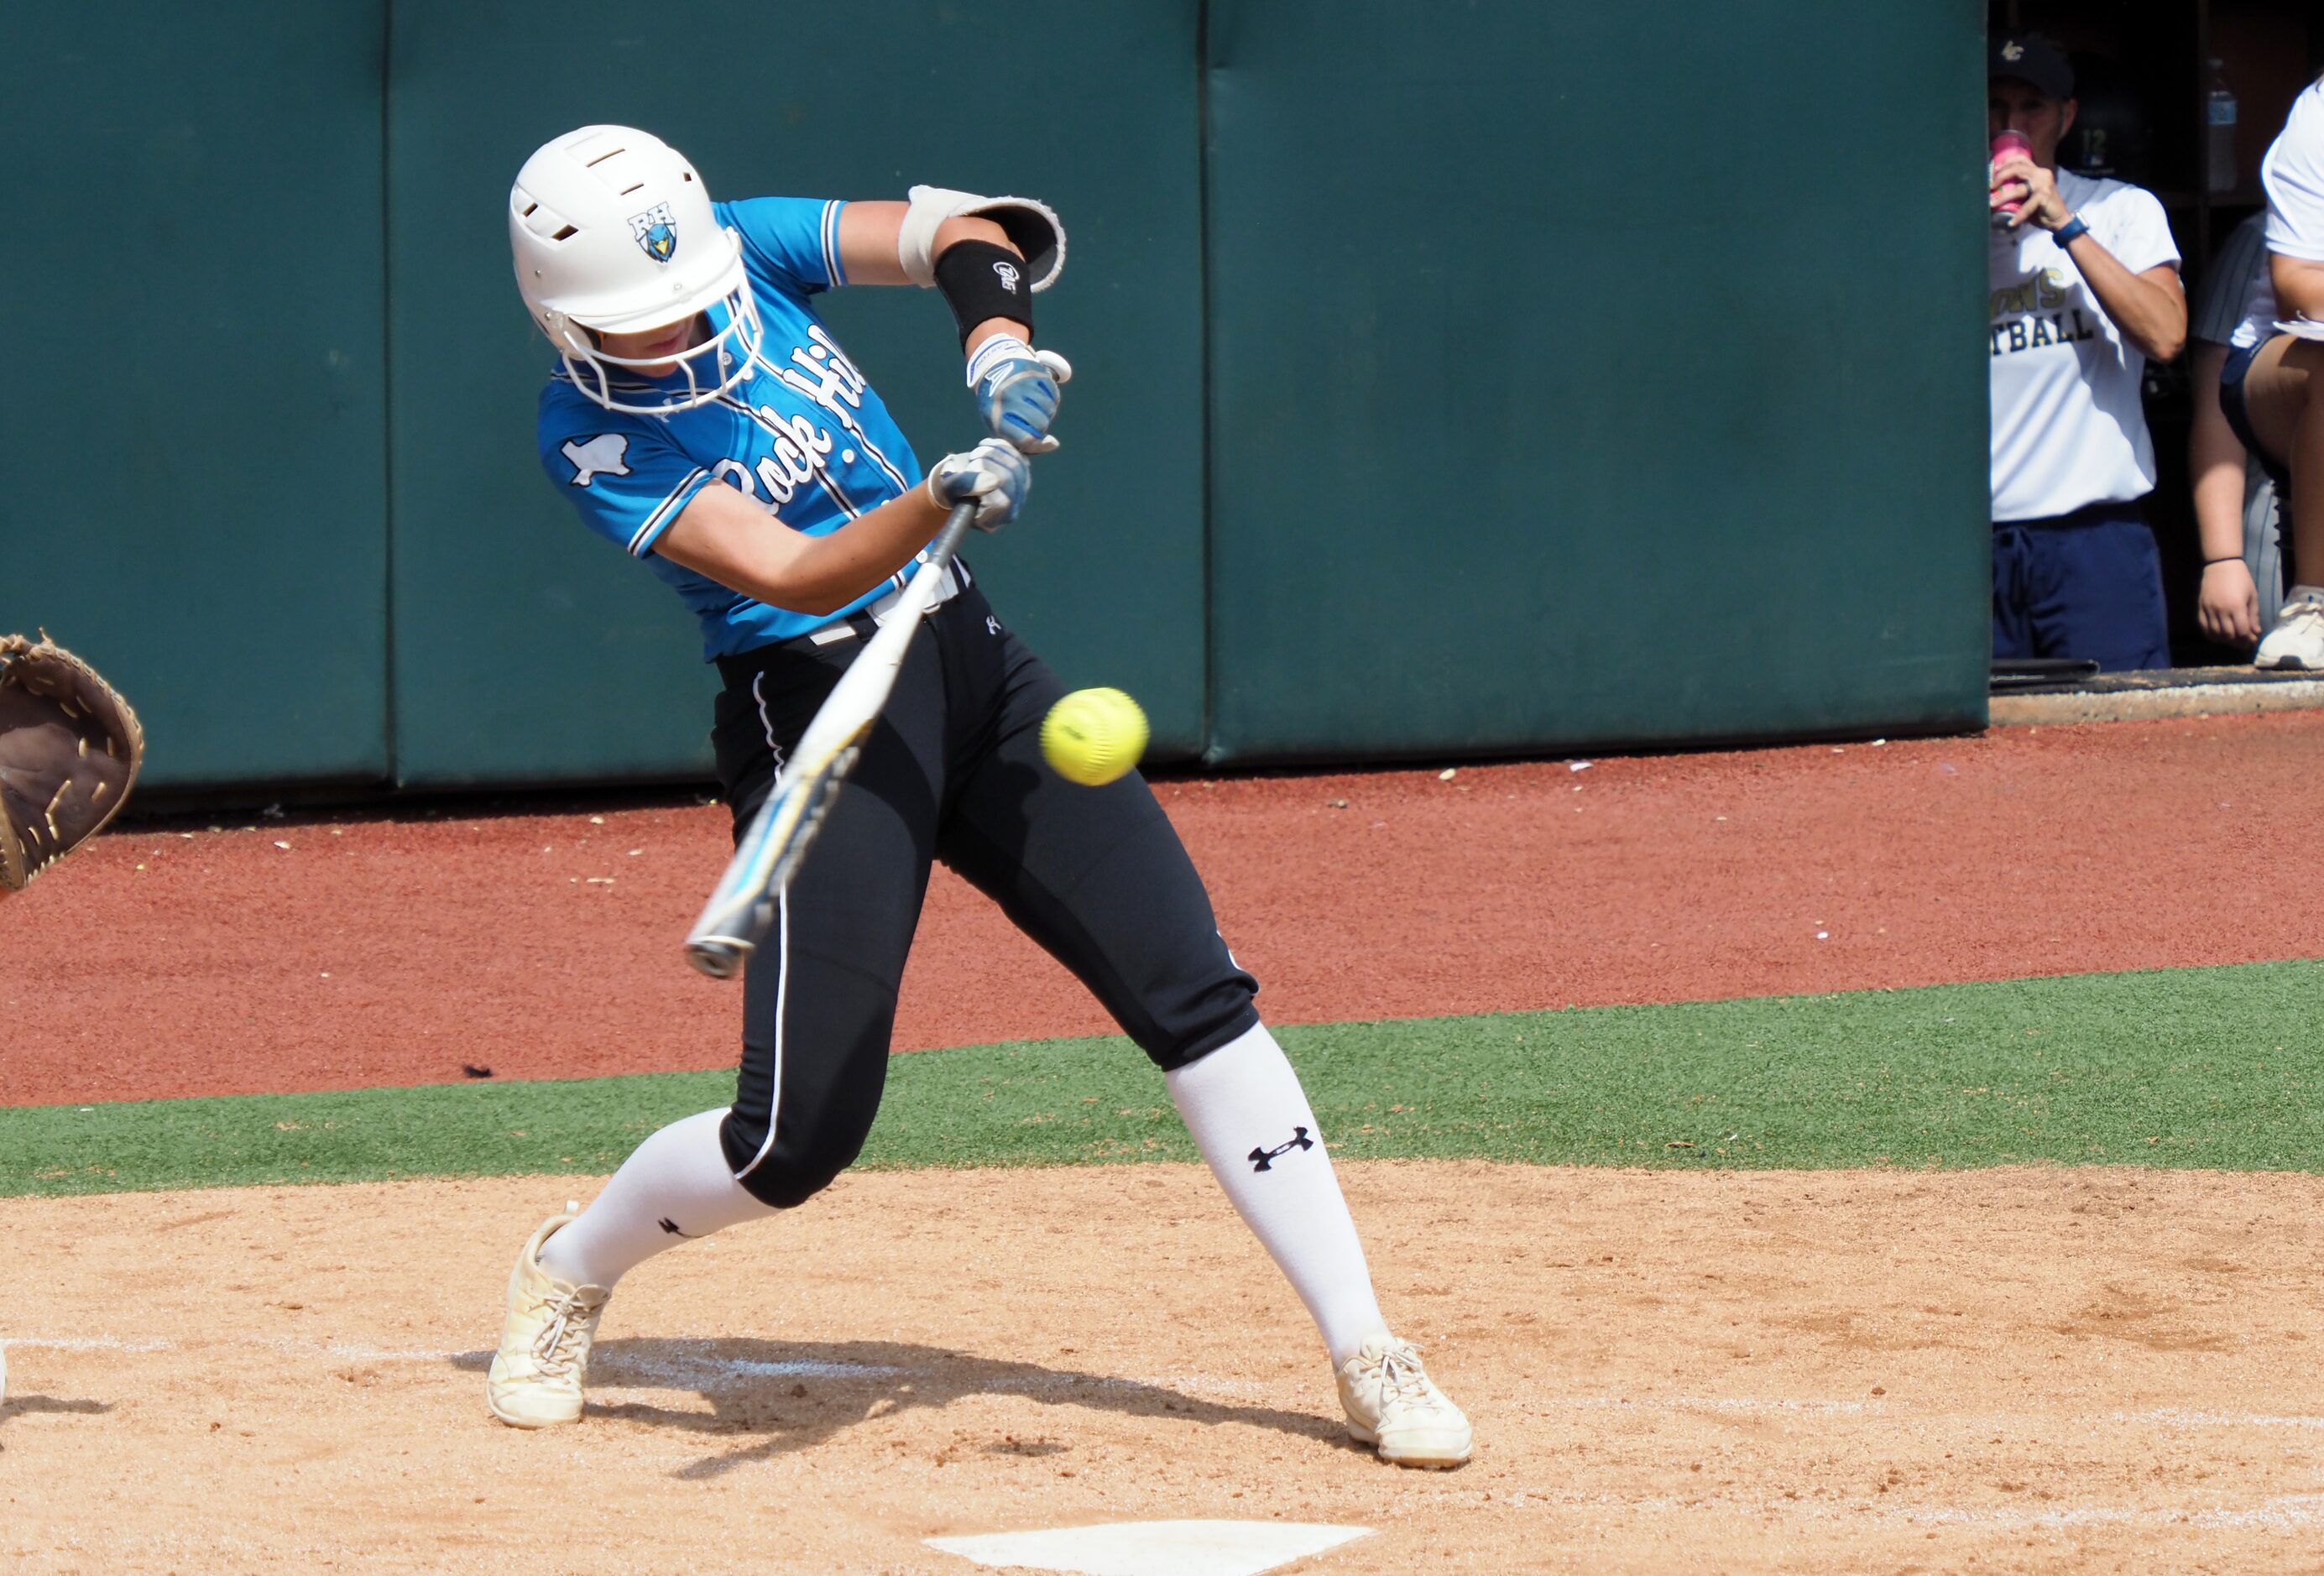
{"type": "Point", "coordinates": [1093, 736]}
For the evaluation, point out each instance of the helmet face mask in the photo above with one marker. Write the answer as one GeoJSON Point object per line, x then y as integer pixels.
{"type": "Point", "coordinates": [709, 369]}
{"type": "Point", "coordinates": [611, 231]}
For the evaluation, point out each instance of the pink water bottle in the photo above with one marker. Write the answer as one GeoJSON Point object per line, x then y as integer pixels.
{"type": "Point", "coordinates": [2004, 145]}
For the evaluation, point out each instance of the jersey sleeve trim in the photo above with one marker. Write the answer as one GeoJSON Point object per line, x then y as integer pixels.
{"type": "Point", "coordinates": [667, 511]}
{"type": "Point", "coordinates": [831, 267]}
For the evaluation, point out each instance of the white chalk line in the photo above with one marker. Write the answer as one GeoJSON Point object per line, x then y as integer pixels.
{"type": "Point", "coordinates": [1062, 1383]}
{"type": "Point", "coordinates": [1697, 1404]}
{"type": "Point", "coordinates": [2163, 1416]}
{"type": "Point", "coordinates": [682, 1370]}
{"type": "Point", "coordinates": [2184, 1417]}
{"type": "Point", "coordinates": [711, 1373]}
{"type": "Point", "coordinates": [2283, 1513]}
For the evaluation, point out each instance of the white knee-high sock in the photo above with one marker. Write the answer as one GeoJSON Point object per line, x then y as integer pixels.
{"type": "Point", "coordinates": [1250, 1118]}
{"type": "Point", "coordinates": [674, 1187]}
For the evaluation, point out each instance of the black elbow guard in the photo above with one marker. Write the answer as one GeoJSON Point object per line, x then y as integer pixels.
{"type": "Point", "coordinates": [981, 281]}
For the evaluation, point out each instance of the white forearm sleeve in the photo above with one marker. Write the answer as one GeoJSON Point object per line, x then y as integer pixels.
{"type": "Point", "coordinates": [1033, 227]}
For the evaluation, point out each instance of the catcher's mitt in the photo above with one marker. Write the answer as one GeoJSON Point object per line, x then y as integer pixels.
{"type": "Point", "coordinates": [70, 749]}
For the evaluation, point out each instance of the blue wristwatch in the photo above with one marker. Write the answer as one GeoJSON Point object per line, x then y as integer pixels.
{"type": "Point", "coordinates": [2064, 233]}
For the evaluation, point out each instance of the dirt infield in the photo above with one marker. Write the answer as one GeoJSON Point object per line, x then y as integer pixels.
{"type": "Point", "coordinates": [319, 954]}
{"type": "Point", "coordinates": [2004, 1370]}
{"type": "Point", "coordinates": [2012, 1369]}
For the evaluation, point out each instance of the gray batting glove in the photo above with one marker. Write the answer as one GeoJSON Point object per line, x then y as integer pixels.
{"type": "Point", "coordinates": [994, 472]}
{"type": "Point", "coordinates": [1017, 391]}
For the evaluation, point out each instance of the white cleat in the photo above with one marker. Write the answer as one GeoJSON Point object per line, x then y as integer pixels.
{"type": "Point", "coordinates": [544, 1355]}
{"type": "Point", "coordinates": [1393, 1406]}
{"type": "Point", "coordinates": [2298, 639]}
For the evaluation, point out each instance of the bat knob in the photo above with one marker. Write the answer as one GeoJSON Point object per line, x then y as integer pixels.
{"type": "Point", "coordinates": [721, 960]}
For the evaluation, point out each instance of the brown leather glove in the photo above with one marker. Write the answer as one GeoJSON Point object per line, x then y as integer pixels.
{"type": "Point", "coordinates": [70, 749]}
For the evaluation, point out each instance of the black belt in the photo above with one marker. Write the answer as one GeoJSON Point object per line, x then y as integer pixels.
{"type": "Point", "coordinates": [744, 666]}
{"type": "Point", "coordinates": [859, 625]}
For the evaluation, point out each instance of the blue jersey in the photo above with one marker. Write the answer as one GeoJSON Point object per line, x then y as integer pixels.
{"type": "Point", "coordinates": [804, 435]}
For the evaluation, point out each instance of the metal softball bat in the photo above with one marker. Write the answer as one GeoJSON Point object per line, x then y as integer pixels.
{"type": "Point", "coordinates": [744, 905]}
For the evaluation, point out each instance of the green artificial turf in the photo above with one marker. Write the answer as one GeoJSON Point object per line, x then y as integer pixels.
{"type": "Point", "coordinates": [2195, 1067]}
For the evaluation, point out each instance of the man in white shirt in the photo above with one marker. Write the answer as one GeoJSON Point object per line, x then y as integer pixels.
{"type": "Point", "coordinates": [2271, 388]}
{"type": "Point", "coordinates": [2084, 280]}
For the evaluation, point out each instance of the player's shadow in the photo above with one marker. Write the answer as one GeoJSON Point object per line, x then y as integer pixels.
{"type": "Point", "coordinates": [24, 1403]}
{"type": "Point", "coordinates": [793, 1395]}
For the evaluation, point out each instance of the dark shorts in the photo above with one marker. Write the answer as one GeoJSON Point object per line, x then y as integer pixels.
{"type": "Point", "coordinates": [2086, 585]}
{"type": "Point", "coordinates": [951, 771]}
{"type": "Point", "coordinates": [2238, 415]}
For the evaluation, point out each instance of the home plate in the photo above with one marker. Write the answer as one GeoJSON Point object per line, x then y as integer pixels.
{"type": "Point", "coordinates": [1155, 1548]}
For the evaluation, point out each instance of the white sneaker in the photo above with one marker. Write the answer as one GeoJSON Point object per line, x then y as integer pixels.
{"type": "Point", "coordinates": [536, 1377]}
{"type": "Point", "coordinates": [2298, 639]}
{"type": "Point", "coordinates": [1393, 1406]}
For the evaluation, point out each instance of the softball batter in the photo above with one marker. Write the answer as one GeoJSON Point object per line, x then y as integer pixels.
{"type": "Point", "coordinates": [701, 417]}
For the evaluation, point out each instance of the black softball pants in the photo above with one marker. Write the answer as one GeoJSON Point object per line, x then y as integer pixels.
{"type": "Point", "coordinates": [953, 771]}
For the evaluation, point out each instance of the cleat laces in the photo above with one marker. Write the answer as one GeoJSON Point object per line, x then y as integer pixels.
{"type": "Point", "coordinates": [553, 1348]}
{"type": "Point", "coordinates": [1402, 1377]}
{"type": "Point", "coordinates": [1403, 1380]}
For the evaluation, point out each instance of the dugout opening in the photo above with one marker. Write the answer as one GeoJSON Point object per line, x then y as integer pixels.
{"type": "Point", "coordinates": [2151, 114]}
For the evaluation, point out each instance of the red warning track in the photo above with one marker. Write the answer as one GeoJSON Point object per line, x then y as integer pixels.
{"type": "Point", "coordinates": [333, 953]}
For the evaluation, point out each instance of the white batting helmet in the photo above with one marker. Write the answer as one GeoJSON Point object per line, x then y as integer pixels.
{"type": "Point", "coordinates": [612, 231]}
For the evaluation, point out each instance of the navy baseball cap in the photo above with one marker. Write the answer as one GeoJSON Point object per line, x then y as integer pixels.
{"type": "Point", "coordinates": [2033, 60]}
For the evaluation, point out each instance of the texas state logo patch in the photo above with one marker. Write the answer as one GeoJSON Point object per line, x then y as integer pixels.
{"type": "Point", "coordinates": [605, 454]}
{"type": "Point", "coordinates": [656, 231]}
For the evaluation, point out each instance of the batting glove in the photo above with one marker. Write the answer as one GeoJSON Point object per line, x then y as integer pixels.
{"type": "Point", "coordinates": [994, 472]}
{"type": "Point", "coordinates": [1016, 389]}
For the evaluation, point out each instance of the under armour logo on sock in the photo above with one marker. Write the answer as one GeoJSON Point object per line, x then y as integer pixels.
{"type": "Point", "coordinates": [671, 1226]}
{"type": "Point", "coordinates": [992, 624]}
{"type": "Point", "coordinates": [1264, 1159]}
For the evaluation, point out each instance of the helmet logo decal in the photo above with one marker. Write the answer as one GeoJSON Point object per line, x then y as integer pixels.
{"type": "Point", "coordinates": [656, 232]}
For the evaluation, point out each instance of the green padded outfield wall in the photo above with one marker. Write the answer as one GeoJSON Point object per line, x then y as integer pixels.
{"type": "Point", "coordinates": [527, 649]}
{"type": "Point", "coordinates": [193, 489]}
{"type": "Point", "coordinates": [1586, 374]}
{"type": "Point", "coordinates": [1453, 379]}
